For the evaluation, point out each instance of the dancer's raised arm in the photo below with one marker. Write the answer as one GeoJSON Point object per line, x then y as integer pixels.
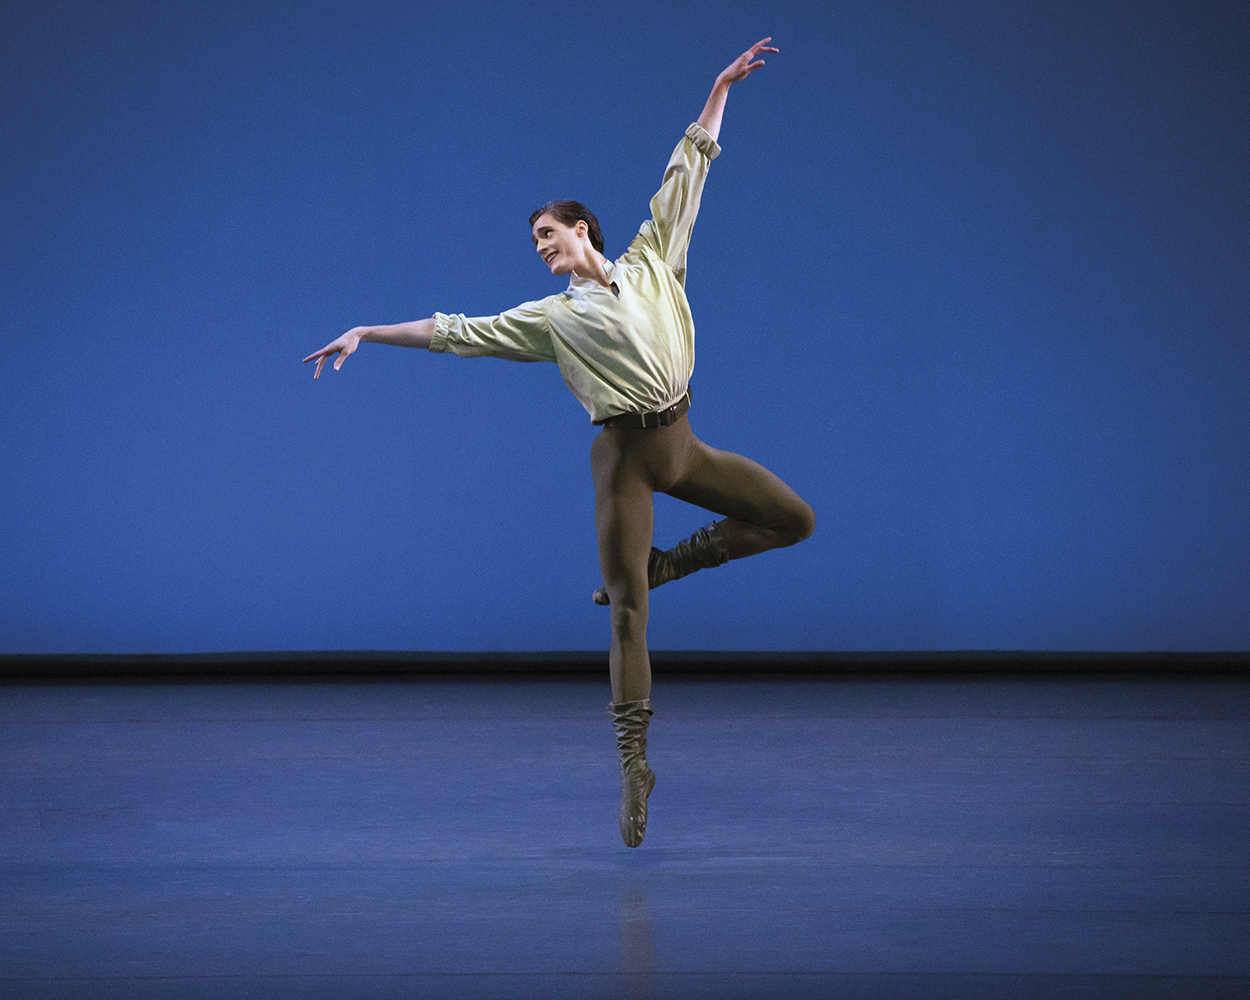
{"type": "Point", "coordinates": [418, 333]}
{"type": "Point", "coordinates": [739, 69]}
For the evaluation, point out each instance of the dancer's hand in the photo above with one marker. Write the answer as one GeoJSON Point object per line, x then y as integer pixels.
{"type": "Point", "coordinates": [417, 333]}
{"type": "Point", "coordinates": [746, 64]}
{"type": "Point", "coordinates": [343, 346]}
{"type": "Point", "coordinates": [739, 69]}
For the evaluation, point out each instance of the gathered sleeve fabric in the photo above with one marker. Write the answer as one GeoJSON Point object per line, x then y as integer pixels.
{"type": "Point", "coordinates": [519, 334]}
{"type": "Point", "coordinates": [675, 206]}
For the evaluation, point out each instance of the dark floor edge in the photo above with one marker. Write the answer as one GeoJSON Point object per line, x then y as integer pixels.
{"type": "Point", "coordinates": [362, 663]}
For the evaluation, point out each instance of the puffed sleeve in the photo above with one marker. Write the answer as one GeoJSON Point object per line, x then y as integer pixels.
{"type": "Point", "coordinates": [520, 334]}
{"type": "Point", "coordinates": [675, 205]}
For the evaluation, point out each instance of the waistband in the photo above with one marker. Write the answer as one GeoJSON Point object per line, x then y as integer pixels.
{"type": "Point", "coordinates": [659, 418]}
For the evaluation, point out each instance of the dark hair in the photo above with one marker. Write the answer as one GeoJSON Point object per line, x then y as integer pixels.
{"type": "Point", "coordinates": [569, 213]}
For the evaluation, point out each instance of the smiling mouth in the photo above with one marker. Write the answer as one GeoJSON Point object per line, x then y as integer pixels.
{"type": "Point", "coordinates": [549, 257]}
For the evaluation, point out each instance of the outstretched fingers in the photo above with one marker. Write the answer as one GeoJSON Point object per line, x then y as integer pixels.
{"type": "Point", "coordinates": [344, 346]}
{"type": "Point", "coordinates": [746, 64]}
{"type": "Point", "coordinates": [761, 46]}
{"type": "Point", "coordinates": [320, 357]}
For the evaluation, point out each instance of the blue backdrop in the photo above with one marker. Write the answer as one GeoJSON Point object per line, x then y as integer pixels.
{"type": "Point", "coordinates": [971, 277]}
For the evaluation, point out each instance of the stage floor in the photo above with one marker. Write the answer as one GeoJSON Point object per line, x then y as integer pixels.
{"type": "Point", "coordinates": [841, 837]}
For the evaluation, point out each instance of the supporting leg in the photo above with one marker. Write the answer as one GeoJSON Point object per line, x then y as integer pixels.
{"type": "Point", "coordinates": [623, 522]}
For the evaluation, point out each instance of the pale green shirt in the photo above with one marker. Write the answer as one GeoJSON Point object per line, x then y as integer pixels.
{"type": "Point", "coordinates": [625, 349]}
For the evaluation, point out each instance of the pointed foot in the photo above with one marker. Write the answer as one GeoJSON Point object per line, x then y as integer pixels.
{"type": "Point", "coordinates": [635, 791]}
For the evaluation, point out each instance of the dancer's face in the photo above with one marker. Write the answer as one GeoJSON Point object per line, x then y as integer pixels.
{"type": "Point", "coordinates": [561, 247]}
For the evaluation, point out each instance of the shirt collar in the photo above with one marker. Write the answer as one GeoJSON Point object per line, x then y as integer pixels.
{"type": "Point", "coordinates": [579, 286]}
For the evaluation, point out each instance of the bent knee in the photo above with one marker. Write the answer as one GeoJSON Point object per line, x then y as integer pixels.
{"type": "Point", "coordinates": [799, 524]}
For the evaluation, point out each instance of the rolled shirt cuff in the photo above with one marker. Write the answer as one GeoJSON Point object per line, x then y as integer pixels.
{"type": "Point", "coordinates": [703, 142]}
{"type": "Point", "coordinates": [442, 326]}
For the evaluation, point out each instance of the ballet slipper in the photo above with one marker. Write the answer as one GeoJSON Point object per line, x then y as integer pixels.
{"type": "Point", "coordinates": [630, 719]}
{"type": "Point", "coordinates": [705, 549]}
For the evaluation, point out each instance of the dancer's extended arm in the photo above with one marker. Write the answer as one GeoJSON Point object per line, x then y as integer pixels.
{"type": "Point", "coordinates": [418, 333]}
{"type": "Point", "coordinates": [739, 69]}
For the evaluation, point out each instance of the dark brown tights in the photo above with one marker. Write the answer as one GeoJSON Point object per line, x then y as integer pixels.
{"type": "Point", "coordinates": [760, 513]}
